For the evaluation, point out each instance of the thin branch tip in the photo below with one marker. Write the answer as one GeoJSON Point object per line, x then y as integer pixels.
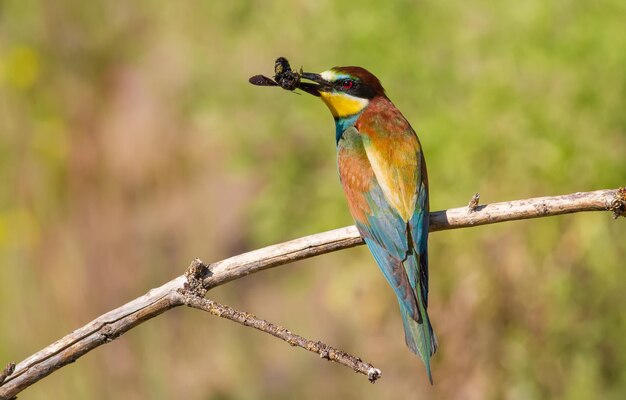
{"type": "Point", "coordinates": [374, 374]}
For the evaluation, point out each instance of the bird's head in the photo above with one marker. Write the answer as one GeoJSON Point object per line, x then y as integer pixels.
{"type": "Point", "coordinates": [346, 90]}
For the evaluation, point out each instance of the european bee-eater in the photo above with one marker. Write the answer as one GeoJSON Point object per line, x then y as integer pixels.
{"type": "Point", "coordinates": [383, 173]}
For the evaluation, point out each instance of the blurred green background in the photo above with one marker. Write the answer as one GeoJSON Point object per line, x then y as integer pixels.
{"type": "Point", "coordinates": [131, 142]}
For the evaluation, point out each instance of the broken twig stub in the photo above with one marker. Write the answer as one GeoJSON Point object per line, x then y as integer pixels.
{"type": "Point", "coordinates": [8, 370]}
{"type": "Point", "coordinates": [618, 205]}
{"type": "Point", "coordinates": [473, 204]}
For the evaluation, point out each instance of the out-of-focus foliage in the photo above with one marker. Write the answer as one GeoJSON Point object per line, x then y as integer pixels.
{"type": "Point", "coordinates": [131, 142]}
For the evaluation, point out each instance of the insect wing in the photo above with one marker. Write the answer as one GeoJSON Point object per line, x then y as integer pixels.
{"type": "Point", "coordinates": [261, 80]}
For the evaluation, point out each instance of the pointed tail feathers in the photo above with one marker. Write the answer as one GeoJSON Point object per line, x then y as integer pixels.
{"type": "Point", "coordinates": [420, 337]}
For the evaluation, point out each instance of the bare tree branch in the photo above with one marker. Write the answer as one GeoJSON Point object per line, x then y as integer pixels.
{"type": "Point", "coordinates": [116, 322]}
{"type": "Point", "coordinates": [454, 218]}
{"type": "Point", "coordinates": [193, 296]}
{"type": "Point", "coordinates": [247, 319]}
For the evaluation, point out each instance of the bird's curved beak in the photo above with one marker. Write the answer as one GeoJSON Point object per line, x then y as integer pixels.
{"type": "Point", "coordinates": [320, 85]}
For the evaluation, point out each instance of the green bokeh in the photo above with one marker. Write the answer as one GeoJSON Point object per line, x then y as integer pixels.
{"type": "Point", "coordinates": [131, 142]}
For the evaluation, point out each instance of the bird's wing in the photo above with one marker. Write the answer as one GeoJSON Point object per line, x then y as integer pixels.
{"type": "Point", "coordinates": [385, 208]}
{"type": "Point", "coordinates": [400, 171]}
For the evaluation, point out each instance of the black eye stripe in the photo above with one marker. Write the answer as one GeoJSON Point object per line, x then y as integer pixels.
{"type": "Point", "coordinates": [356, 89]}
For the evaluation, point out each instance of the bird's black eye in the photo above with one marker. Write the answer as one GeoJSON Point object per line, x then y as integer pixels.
{"type": "Point", "coordinates": [347, 84]}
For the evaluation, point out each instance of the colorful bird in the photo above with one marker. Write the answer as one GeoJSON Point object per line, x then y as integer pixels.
{"type": "Point", "coordinates": [383, 173]}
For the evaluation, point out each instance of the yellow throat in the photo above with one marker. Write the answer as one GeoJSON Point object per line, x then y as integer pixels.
{"type": "Point", "coordinates": [343, 105]}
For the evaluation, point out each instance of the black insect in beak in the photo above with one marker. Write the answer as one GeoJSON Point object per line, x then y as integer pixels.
{"type": "Point", "coordinates": [289, 79]}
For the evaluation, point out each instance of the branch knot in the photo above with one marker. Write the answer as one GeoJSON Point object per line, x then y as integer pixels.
{"type": "Point", "coordinates": [195, 274]}
{"type": "Point", "coordinates": [8, 370]}
{"type": "Point", "coordinates": [618, 205]}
